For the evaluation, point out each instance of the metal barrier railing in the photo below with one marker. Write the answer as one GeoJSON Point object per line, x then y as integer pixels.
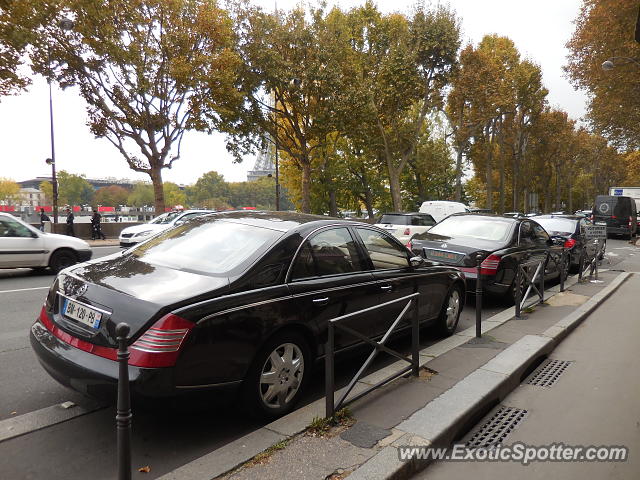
{"type": "Point", "coordinates": [590, 263]}
{"type": "Point", "coordinates": [331, 407]}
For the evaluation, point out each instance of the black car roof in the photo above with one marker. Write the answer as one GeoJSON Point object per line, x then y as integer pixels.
{"type": "Point", "coordinates": [406, 213]}
{"type": "Point", "coordinates": [560, 215]}
{"type": "Point", "coordinates": [281, 221]}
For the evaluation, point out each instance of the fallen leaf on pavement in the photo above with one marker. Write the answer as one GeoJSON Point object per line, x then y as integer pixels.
{"type": "Point", "coordinates": [146, 469]}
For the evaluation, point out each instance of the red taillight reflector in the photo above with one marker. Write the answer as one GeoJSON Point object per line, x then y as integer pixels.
{"type": "Point", "coordinates": [407, 231]}
{"type": "Point", "coordinates": [630, 220]}
{"type": "Point", "coordinates": [160, 345]}
{"type": "Point", "coordinates": [613, 216]}
{"type": "Point", "coordinates": [409, 245]}
{"type": "Point", "coordinates": [489, 266]}
{"type": "Point", "coordinates": [569, 243]}
{"type": "Point", "coordinates": [105, 352]}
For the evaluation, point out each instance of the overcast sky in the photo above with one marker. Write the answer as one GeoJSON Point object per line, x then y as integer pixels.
{"type": "Point", "coordinates": [539, 29]}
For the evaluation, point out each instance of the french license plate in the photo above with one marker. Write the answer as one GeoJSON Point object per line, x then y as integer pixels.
{"type": "Point", "coordinates": [87, 316]}
{"type": "Point", "coordinates": [442, 255]}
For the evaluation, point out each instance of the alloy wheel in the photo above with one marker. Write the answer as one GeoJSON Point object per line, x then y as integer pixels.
{"type": "Point", "coordinates": [453, 308]}
{"type": "Point", "coordinates": [281, 375]}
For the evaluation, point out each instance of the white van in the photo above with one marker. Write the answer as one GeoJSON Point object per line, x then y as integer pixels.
{"type": "Point", "coordinates": [441, 209]}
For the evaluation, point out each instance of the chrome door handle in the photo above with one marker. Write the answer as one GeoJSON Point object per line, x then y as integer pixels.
{"type": "Point", "coordinates": [320, 301]}
{"type": "Point", "coordinates": [386, 288]}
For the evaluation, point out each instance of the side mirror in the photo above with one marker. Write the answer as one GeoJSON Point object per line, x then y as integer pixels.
{"type": "Point", "coordinates": [416, 261]}
{"type": "Point", "coordinates": [33, 234]}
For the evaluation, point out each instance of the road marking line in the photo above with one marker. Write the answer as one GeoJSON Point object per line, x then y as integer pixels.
{"type": "Point", "coordinates": [43, 418]}
{"type": "Point", "coordinates": [23, 289]}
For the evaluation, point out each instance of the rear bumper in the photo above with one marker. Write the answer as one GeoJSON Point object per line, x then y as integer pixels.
{"type": "Point", "coordinates": [97, 377]}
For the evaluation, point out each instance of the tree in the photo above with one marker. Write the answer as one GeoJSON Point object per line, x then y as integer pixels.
{"type": "Point", "coordinates": [9, 190]}
{"type": "Point", "coordinates": [174, 195]}
{"type": "Point", "coordinates": [74, 189]}
{"type": "Point", "coordinates": [604, 29]}
{"type": "Point", "coordinates": [141, 195]}
{"type": "Point", "coordinates": [403, 66]}
{"type": "Point", "coordinates": [12, 45]}
{"type": "Point", "coordinates": [297, 66]}
{"type": "Point", "coordinates": [144, 68]}
{"type": "Point", "coordinates": [47, 189]}
{"type": "Point", "coordinates": [209, 190]}
{"type": "Point", "coordinates": [112, 195]}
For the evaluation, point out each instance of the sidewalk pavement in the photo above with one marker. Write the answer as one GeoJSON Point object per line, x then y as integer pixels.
{"type": "Point", "coordinates": [109, 242]}
{"type": "Point", "coordinates": [461, 380]}
{"type": "Point", "coordinates": [594, 401]}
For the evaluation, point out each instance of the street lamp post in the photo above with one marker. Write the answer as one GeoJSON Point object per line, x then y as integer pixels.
{"type": "Point", "coordinates": [64, 24]}
{"type": "Point", "coordinates": [54, 180]}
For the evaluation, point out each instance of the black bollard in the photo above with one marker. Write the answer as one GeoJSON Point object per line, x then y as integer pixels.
{"type": "Point", "coordinates": [518, 290]}
{"type": "Point", "coordinates": [123, 416]}
{"type": "Point", "coordinates": [478, 296]}
{"type": "Point", "coordinates": [563, 264]}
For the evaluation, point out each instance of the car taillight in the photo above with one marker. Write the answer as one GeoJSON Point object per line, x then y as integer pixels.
{"type": "Point", "coordinates": [489, 266]}
{"type": "Point", "coordinates": [160, 345]}
{"type": "Point", "coordinates": [613, 216]}
{"type": "Point", "coordinates": [630, 220]}
{"type": "Point", "coordinates": [407, 231]}
{"type": "Point", "coordinates": [569, 243]}
{"type": "Point", "coordinates": [409, 245]}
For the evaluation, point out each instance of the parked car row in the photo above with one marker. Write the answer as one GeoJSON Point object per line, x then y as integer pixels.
{"type": "Point", "coordinates": [239, 302]}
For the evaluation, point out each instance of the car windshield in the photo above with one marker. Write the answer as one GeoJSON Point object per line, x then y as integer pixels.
{"type": "Point", "coordinates": [165, 218]}
{"type": "Point", "coordinates": [560, 225]}
{"type": "Point", "coordinates": [472, 226]}
{"type": "Point", "coordinates": [209, 247]}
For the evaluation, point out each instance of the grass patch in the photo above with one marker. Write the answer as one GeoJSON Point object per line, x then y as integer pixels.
{"type": "Point", "coordinates": [263, 457]}
{"type": "Point", "coordinates": [321, 426]}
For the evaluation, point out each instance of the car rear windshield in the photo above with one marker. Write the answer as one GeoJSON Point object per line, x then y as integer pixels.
{"type": "Point", "coordinates": [210, 247]}
{"type": "Point", "coordinates": [613, 206]}
{"type": "Point", "coordinates": [473, 226]}
{"type": "Point", "coordinates": [560, 225]}
{"type": "Point", "coordinates": [417, 220]}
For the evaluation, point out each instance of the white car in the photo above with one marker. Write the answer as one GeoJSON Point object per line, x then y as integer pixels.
{"type": "Point", "coordinates": [403, 226]}
{"type": "Point", "coordinates": [131, 236]}
{"type": "Point", "coordinates": [22, 245]}
{"type": "Point", "coordinates": [441, 209]}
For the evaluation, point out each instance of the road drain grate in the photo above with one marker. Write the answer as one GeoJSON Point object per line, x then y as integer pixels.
{"type": "Point", "coordinates": [493, 433]}
{"type": "Point", "coordinates": [548, 374]}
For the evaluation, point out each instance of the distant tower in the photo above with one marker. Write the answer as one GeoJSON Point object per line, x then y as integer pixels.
{"type": "Point", "coordinates": [264, 165]}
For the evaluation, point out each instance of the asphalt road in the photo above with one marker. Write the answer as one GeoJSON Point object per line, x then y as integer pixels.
{"type": "Point", "coordinates": [162, 438]}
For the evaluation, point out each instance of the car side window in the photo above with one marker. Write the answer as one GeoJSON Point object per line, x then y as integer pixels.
{"type": "Point", "coordinates": [329, 252]}
{"type": "Point", "coordinates": [384, 252]}
{"type": "Point", "coordinates": [541, 236]}
{"type": "Point", "coordinates": [421, 221]}
{"type": "Point", "coordinates": [11, 228]}
{"type": "Point", "coordinates": [527, 236]}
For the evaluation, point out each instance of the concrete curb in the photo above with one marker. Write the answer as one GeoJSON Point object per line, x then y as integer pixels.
{"type": "Point", "coordinates": [451, 414]}
{"type": "Point", "coordinates": [226, 458]}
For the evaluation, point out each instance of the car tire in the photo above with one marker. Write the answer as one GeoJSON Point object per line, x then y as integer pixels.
{"type": "Point", "coordinates": [512, 288]}
{"type": "Point", "coordinates": [450, 313]}
{"type": "Point", "coordinates": [61, 259]}
{"type": "Point", "coordinates": [290, 375]}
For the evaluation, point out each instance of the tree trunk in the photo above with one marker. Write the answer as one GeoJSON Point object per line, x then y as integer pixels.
{"type": "Point", "coordinates": [306, 190]}
{"type": "Point", "coordinates": [394, 186]}
{"type": "Point", "coordinates": [158, 192]}
{"type": "Point", "coordinates": [558, 187]}
{"type": "Point", "coordinates": [459, 174]}
{"type": "Point", "coordinates": [489, 171]}
{"type": "Point", "coordinates": [368, 202]}
{"type": "Point", "coordinates": [333, 206]}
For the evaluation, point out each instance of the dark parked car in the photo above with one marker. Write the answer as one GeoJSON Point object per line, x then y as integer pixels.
{"type": "Point", "coordinates": [570, 229]}
{"type": "Point", "coordinates": [618, 213]}
{"type": "Point", "coordinates": [234, 301]}
{"type": "Point", "coordinates": [501, 242]}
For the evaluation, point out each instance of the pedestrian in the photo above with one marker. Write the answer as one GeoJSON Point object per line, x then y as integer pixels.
{"type": "Point", "coordinates": [43, 218]}
{"type": "Point", "coordinates": [96, 228]}
{"type": "Point", "coordinates": [70, 218]}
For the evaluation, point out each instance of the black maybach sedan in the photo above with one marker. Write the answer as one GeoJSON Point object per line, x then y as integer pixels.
{"type": "Point", "coordinates": [501, 242]}
{"type": "Point", "coordinates": [234, 301]}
